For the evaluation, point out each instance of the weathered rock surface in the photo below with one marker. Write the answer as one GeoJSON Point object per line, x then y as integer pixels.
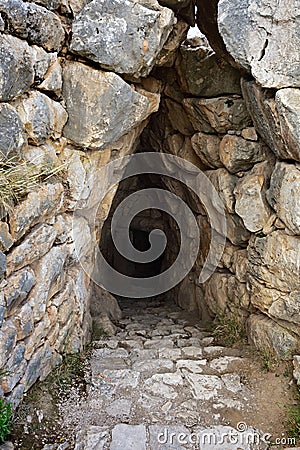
{"type": "Point", "coordinates": [267, 28]}
{"type": "Point", "coordinates": [284, 194]}
{"type": "Point", "coordinates": [42, 117]}
{"type": "Point", "coordinates": [237, 154]}
{"type": "Point", "coordinates": [265, 334]}
{"type": "Point", "coordinates": [12, 134]}
{"type": "Point", "coordinates": [16, 67]}
{"type": "Point", "coordinates": [274, 259]}
{"type": "Point", "coordinates": [125, 37]}
{"type": "Point", "coordinates": [101, 106]}
{"type": "Point", "coordinates": [202, 73]}
{"type": "Point", "coordinates": [275, 119]}
{"type": "Point", "coordinates": [217, 114]}
{"type": "Point", "coordinates": [207, 147]}
{"type": "Point", "coordinates": [250, 195]}
{"type": "Point", "coordinates": [34, 23]}
{"type": "Point", "coordinates": [39, 205]}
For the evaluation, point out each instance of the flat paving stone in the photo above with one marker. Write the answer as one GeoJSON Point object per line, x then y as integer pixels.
{"type": "Point", "coordinates": [128, 437]}
{"type": "Point", "coordinates": [153, 366]}
{"type": "Point", "coordinates": [93, 438]}
{"type": "Point", "coordinates": [204, 387]}
{"type": "Point", "coordinates": [192, 352]}
{"type": "Point", "coordinates": [192, 366]}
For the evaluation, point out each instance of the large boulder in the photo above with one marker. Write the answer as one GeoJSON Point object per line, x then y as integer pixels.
{"type": "Point", "coordinates": [16, 67]}
{"type": "Point", "coordinates": [260, 36]}
{"type": "Point", "coordinates": [275, 119]}
{"type": "Point", "coordinates": [284, 194]}
{"type": "Point", "coordinates": [101, 106]}
{"type": "Point", "coordinates": [125, 37]}
{"type": "Point", "coordinates": [33, 23]}
{"type": "Point", "coordinates": [202, 73]}
{"type": "Point", "coordinates": [12, 134]}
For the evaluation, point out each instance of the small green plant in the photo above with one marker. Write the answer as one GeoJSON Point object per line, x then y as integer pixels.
{"type": "Point", "coordinates": [5, 420]}
{"type": "Point", "coordinates": [228, 328]}
{"type": "Point", "coordinates": [294, 418]}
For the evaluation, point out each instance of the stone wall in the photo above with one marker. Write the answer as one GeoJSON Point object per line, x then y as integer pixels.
{"type": "Point", "coordinates": [79, 81]}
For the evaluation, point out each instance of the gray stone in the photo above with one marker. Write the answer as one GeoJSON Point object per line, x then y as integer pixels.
{"type": "Point", "coordinates": [8, 339]}
{"type": "Point", "coordinates": [237, 154]}
{"type": "Point", "coordinates": [120, 408]}
{"type": "Point", "coordinates": [92, 438]}
{"type": "Point", "coordinates": [270, 337]}
{"type": "Point", "coordinates": [33, 23]}
{"type": "Point", "coordinates": [16, 67]}
{"type": "Point", "coordinates": [7, 446]}
{"type": "Point", "coordinates": [49, 280]}
{"type": "Point", "coordinates": [18, 286]}
{"type": "Point", "coordinates": [43, 118]}
{"type": "Point", "coordinates": [37, 207]}
{"type": "Point", "coordinates": [191, 366]}
{"type": "Point", "coordinates": [2, 263]}
{"type": "Point", "coordinates": [224, 182]}
{"type": "Point", "coordinates": [36, 245]}
{"type": "Point", "coordinates": [12, 135]}
{"type": "Point", "coordinates": [283, 194]}
{"type": "Point", "coordinates": [232, 382]}
{"type": "Point", "coordinates": [6, 241]}
{"type": "Point", "coordinates": [125, 37]}
{"type": "Point", "coordinates": [287, 105]}
{"type": "Point", "coordinates": [226, 363]}
{"type": "Point", "coordinates": [274, 259]}
{"type": "Point", "coordinates": [296, 371]}
{"type": "Point", "coordinates": [36, 364]}
{"type": "Point", "coordinates": [266, 28]}
{"type": "Point", "coordinates": [170, 437]}
{"type": "Point", "coordinates": [128, 437]}
{"type": "Point", "coordinates": [101, 106]}
{"type": "Point", "coordinates": [219, 114]}
{"type": "Point", "coordinates": [204, 74]}
{"type": "Point", "coordinates": [204, 387]}
{"type": "Point", "coordinates": [250, 194]}
{"type": "Point", "coordinates": [153, 366]}
{"type": "Point", "coordinates": [15, 367]}
{"type": "Point", "coordinates": [191, 352]}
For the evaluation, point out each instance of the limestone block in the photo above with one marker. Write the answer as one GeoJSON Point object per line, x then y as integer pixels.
{"type": "Point", "coordinates": [101, 106]}
{"type": "Point", "coordinates": [8, 338]}
{"type": "Point", "coordinates": [12, 133]}
{"type": "Point", "coordinates": [6, 241]}
{"type": "Point", "coordinates": [296, 372]}
{"type": "Point", "coordinates": [34, 23]}
{"type": "Point", "coordinates": [274, 259]}
{"type": "Point", "coordinates": [42, 117]}
{"type": "Point", "coordinates": [224, 182]}
{"type": "Point", "coordinates": [204, 74]}
{"type": "Point", "coordinates": [219, 114]}
{"type": "Point", "coordinates": [17, 287]}
{"type": "Point", "coordinates": [15, 369]}
{"type": "Point", "coordinates": [36, 365]}
{"type": "Point", "coordinates": [206, 146]}
{"type": "Point", "coordinates": [270, 337]}
{"type": "Point", "coordinates": [124, 37]}
{"type": "Point", "coordinates": [16, 67]}
{"type": "Point", "coordinates": [36, 208]}
{"type": "Point", "coordinates": [238, 154]}
{"type": "Point", "coordinates": [275, 119]}
{"type": "Point", "coordinates": [250, 194]}
{"type": "Point", "coordinates": [36, 245]}
{"type": "Point", "coordinates": [284, 194]}
{"type": "Point", "coordinates": [266, 29]}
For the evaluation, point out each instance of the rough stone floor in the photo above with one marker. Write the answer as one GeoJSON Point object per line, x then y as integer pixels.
{"type": "Point", "coordinates": [162, 383]}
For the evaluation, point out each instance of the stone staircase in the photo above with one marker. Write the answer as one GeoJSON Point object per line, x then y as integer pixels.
{"type": "Point", "coordinates": [161, 383]}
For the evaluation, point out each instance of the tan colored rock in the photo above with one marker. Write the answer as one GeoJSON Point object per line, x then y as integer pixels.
{"type": "Point", "coordinates": [52, 78]}
{"type": "Point", "coordinates": [168, 53]}
{"type": "Point", "coordinates": [274, 259]}
{"type": "Point", "coordinates": [250, 194]}
{"type": "Point", "coordinates": [249, 134]}
{"type": "Point", "coordinates": [16, 288]}
{"type": "Point", "coordinates": [270, 337]}
{"type": "Point", "coordinates": [42, 117]}
{"type": "Point", "coordinates": [43, 156]}
{"type": "Point", "coordinates": [238, 154]}
{"type": "Point", "coordinates": [101, 106]}
{"type": "Point", "coordinates": [204, 74]}
{"type": "Point", "coordinates": [284, 194]}
{"type": "Point", "coordinates": [224, 182]}
{"type": "Point", "coordinates": [6, 240]}
{"type": "Point", "coordinates": [217, 114]}
{"type": "Point", "coordinates": [36, 208]}
{"type": "Point", "coordinates": [296, 371]}
{"type": "Point", "coordinates": [36, 245]}
{"type": "Point", "coordinates": [50, 277]}
{"type": "Point", "coordinates": [239, 264]}
{"type": "Point", "coordinates": [179, 118]}
{"type": "Point", "coordinates": [274, 120]}
{"type": "Point", "coordinates": [207, 146]}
